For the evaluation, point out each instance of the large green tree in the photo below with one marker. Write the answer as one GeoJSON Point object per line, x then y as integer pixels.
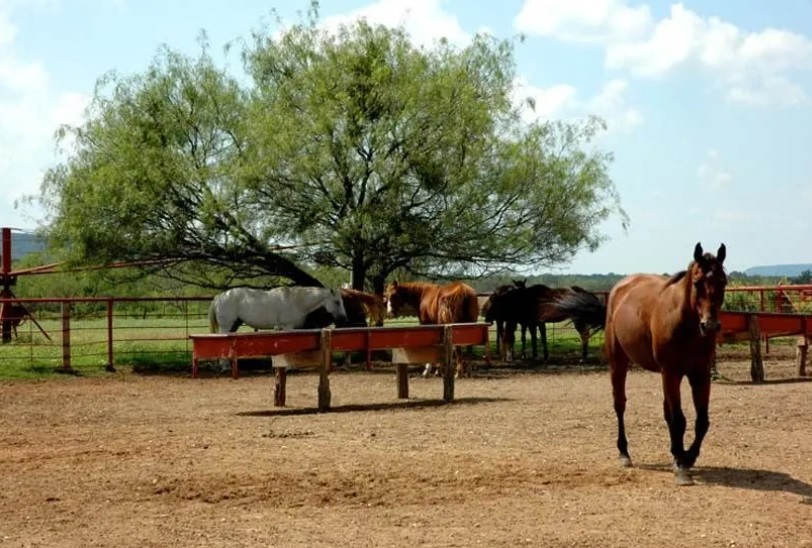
{"type": "Point", "coordinates": [354, 149]}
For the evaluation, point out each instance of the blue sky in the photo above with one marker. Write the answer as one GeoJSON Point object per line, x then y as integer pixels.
{"type": "Point", "coordinates": [709, 104]}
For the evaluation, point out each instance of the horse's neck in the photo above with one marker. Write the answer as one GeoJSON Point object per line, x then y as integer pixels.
{"type": "Point", "coordinates": [413, 293]}
{"type": "Point", "coordinates": [683, 294]}
{"type": "Point", "coordinates": [312, 300]}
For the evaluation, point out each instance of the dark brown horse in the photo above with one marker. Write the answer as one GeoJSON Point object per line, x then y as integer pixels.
{"type": "Point", "coordinates": [669, 326]}
{"type": "Point", "coordinates": [531, 307]}
{"type": "Point", "coordinates": [15, 314]}
{"type": "Point", "coordinates": [435, 304]}
{"type": "Point", "coordinates": [496, 315]}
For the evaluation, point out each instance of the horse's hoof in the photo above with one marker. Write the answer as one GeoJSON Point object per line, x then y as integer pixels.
{"type": "Point", "coordinates": [683, 477]}
{"type": "Point", "coordinates": [625, 461]}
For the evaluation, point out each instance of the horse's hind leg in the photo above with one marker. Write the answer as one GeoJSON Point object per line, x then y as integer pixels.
{"type": "Point", "coordinates": [700, 390]}
{"type": "Point", "coordinates": [543, 333]}
{"type": "Point", "coordinates": [618, 367]}
{"type": "Point", "coordinates": [584, 332]}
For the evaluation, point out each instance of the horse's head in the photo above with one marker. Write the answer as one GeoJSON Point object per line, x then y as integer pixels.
{"type": "Point", "coordinates": [708, 276]}
{"type": "Point", "coordinates": [521, 284]}
{"type": "Point", "coordinates": [335, 305]}
{"type": "Point", "coordinates": [393, 298]}
{"type": "Point", "coordinates": [493, 306]}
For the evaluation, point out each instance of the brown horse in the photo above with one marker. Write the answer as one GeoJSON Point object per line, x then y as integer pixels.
{"type": "Point", "coordinates": [435, 304]}
{"type": "Point", "coordinates": [362, 308]}
{"type": "Point", "coordinates": [669, 326]}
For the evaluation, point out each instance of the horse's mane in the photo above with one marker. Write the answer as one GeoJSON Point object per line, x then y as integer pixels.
{"type": "Point", "coordinates": [372, 304]}
{"type": "Point", "coordinates": [675, 278]}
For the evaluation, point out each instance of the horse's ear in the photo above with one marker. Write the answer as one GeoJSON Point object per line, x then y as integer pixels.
{"type": "Point", "coordinates": [698, 252]}
{"type": "Point", "coordinates": [721, 254]}
{"type": "Point", "coordinates": [394, 284]}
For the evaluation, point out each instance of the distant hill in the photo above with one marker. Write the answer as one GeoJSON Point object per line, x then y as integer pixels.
{"type": "Point", "coordinates": [781, 270]}
{"type": "Point", "coordinates": [23, 243]}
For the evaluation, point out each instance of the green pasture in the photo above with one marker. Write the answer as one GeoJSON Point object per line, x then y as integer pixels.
{"type": "Point", "coordinates": [153, 345]}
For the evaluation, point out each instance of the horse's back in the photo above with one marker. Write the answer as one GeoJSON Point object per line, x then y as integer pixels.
{"type": "Point", "coordinates": [456, 302]}
{"type": "Point", "coordinates": [629, 308]}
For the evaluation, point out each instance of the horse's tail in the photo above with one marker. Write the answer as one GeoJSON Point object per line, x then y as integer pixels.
{"type": "Point", "coordinates": [214, 327]}
{"type": "Point", "coordinates": [581, 306]}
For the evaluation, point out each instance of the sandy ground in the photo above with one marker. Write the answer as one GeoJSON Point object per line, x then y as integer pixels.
{"type": "Point", "coordinates": [523, 458]}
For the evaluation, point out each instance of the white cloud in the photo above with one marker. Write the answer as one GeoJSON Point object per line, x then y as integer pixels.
{"type": "Point", "coordinates": [425, 20]}
{"type": "Point", "coordinates": [30, 111]}
{"type": "Point", "coordinates": [711, 173]}
{"type": "Point", "coordinates": [752, 67]}
{"type": "Point", "coordinates": [563, 102]}
{"type": "Point", "coordinates": [583, 20]}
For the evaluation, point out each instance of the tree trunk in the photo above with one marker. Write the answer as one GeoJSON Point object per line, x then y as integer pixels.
{"type": "Point", "coordinates": [359, 270]}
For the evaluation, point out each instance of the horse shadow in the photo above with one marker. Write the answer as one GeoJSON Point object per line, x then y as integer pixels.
{"type": "Point", "coordinates": [368, 407]}
{"type": "Point", "coordinates": [743, 478]}
{"type": "Point", "coordinates": [790, 380]}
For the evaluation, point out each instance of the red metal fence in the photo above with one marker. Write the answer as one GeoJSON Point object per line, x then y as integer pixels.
{"type": "Point", "coordinates": [104, 332]}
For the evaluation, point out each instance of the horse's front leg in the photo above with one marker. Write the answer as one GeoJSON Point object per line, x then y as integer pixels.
{"type": "Point", "coordinates": [700, 390]}
{"type": "Point", "coordinates": [675, 419]}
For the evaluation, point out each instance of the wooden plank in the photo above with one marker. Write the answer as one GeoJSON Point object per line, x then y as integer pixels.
{"type": "Point", "coordinates": [418, 354]}
{"type": "Point", "coordinates": [308, 358]}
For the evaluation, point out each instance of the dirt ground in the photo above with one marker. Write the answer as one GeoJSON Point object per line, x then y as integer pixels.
{"type": "Point", "coordinates": [523, 458]}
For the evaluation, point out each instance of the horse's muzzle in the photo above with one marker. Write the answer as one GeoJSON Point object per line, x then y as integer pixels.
{"type": "Point", "coordinates": [709, 327]}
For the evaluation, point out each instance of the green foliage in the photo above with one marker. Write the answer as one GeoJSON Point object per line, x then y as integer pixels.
{"type": "Point", "coordinates": [356, 151]}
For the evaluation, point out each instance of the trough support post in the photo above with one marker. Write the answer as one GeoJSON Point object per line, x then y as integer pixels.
{"type": "Point", "coordinates": [448, 364]}
{"type": "Point", "coordinates": [801, 354]}
{"type": "Point", "coordinates": [756, 361]}
{"type": "Point", "coordinates": [280, 381]}
{"type": "Point", "coordinates": [324, 370]}
{"type": "Point", "coordinates": [403, 380]}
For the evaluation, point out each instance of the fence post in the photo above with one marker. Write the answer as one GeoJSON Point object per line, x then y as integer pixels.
{"type": "Point", "coordinates": [110, 364]}
{"type": "Point", "coordinates": [756, 361]}
{"type": "Point", "coordinates": [66, 365]}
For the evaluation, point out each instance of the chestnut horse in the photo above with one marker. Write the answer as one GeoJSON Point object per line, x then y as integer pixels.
{"type": "Point", "coordinates": [435, 304]}
{"type": "Point", "coordinates": [362, 309]}
{"type": "Point", "coordinates": [668, 326]}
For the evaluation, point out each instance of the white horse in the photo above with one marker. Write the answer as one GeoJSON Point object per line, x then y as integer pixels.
{"type": "Point", "coordinates": [280, 307]}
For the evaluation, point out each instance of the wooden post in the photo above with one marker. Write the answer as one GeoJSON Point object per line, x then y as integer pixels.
{"type": "Point", "coordinates": [403, 380]}
{"type": "Point", "coordinates": [324, 370]}
{"type": "Point", "coordinates": [280, 380]}
{"type": "Point", "coordinates": [756, 362]}
{"type": "Point", "coordinates": [801, 355]}
{"type": "Point", "coordinates": [110, 363]}
{"type": "Point", "coordinates": [448, 364]}
{"type": "Point", "coordinates": [66, 365]}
